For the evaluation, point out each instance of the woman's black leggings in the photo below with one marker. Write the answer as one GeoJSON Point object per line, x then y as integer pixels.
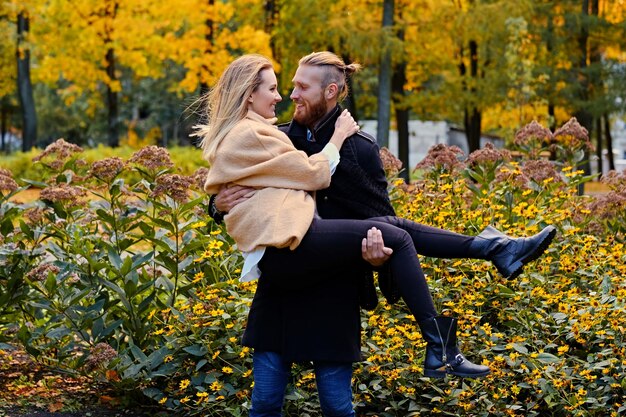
{"type": "Point", "coordinates": [334, 244]}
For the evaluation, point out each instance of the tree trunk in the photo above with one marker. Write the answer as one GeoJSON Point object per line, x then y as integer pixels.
{"type": "Point", "coordinates": [110, 14]}
{"type": "Point", "coordinates": [271, 17]}
{"type": "Point", "coordinates": [25, 87]}
{"type": "Point", "coordinates": [112, 102]}
{"type": "Point", "coordinates": [208, 47]}
{"type": "Point", "coordinates": [402, 112]}
{"type": "Point", "coordinates": [599, 144]}
{"type": "Point", "coordinates": [609, 141]}
{"type": "Point", "coordinates": [473, 116]}
{"type": "Point", "coordinates": [384, 79]}
{"type": "Point", "coordinates": [583, 116]}
{"type": "Point", "coordinates": [4, 124]}
{"type": "Point", "coordinates": [551, 82]}
{"type": "Point", "coordinates": [402, 119]}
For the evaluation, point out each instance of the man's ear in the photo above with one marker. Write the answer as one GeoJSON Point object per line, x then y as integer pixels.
{"type": "Point", "coordinates": [331, 91]}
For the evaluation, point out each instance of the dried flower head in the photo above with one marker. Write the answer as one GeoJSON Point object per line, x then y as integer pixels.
{"type": "Point", "coordinates": [573, 136]}
{"type": "Point", "coordinates": [36, 215]}
{"type": "Point", "coordinates": [61, 150]}
{"type": "Point", "coordinates": [174, 185]}
{"type": "Point", "coordinates": [152, 157]}
{"type": "Point", "coordinates": [40, 272]}
{"type": "Point", "coordinates": [7, 183]}
{"type": "Point", "coordinates": [616, 181]}
{"type": "Point", "coordinates": [489, 154]}
{"type": "Point", "coordinates": [199, 177]}
{"type": "Point", "coordinates": [532, 132]}
{"type": "Point", "coordinates": [540, 170]}
{"type": "Point", "coordinates": [107, 169]}
{"type": "Point", "coordinates": [100, 355]}
{"type": "Point", "coordinates": [153, 272]}
{"type": "Point", "coordinates": [443, 157]}
{"type": "Point", "coordinates": [391, 164]}
{"type": "Point", "coordinates": [63, 193]}
{"type": "Point", "coordinates": [72, 278]}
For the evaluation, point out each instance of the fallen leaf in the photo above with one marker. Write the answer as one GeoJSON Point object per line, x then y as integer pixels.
{"type": "Point", "coordinates": [53, 408]}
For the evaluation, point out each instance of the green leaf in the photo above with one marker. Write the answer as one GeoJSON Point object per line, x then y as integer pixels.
{"type": "Point", "coordinates": [520, 348]}
{"type": "Point", "coordinates": [200, 364]}
{"type": "Point", "coordinates": [138, 354]}
{"type": "Point", "coordinates": [154, 393]}
{"type": "Point", "coordinates": [114, 258]}
{"type": "Point", "coordinates": [196, 350]}
{"type": "Point", "coordinates": [156, 358]}
{"type": "Point", "coordinates": [109, 329]}
{"type": "Point", "coordinates": [548, 358]}
{"type": "Point", "coordinates": [96, 328]}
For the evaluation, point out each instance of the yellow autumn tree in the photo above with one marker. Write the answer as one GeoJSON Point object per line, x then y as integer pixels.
{"type": "Point", "coordinates": [214, 34]}
{"type": "Point", "coordinates": [88, 49]}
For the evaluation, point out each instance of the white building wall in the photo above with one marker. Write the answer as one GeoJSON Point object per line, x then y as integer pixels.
{"type": "Point", "coordinates": [424, 135]}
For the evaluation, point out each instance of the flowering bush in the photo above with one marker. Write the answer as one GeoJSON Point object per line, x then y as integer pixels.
{"type": "Point", "coordinates": [132, 284]}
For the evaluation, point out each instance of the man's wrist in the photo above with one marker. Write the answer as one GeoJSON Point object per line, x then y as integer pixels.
{"type": "Point", "coordinates": [214, 208]}
{"type": "Point", "coordinates": [214, 212]}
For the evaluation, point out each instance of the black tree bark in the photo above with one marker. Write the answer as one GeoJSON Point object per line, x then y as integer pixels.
{"type": "Point", "coordinates": [112, 102]}
{"type": "Point", "coordinates": [384, 80]}
{"type": "Point", "coordinates": [472, 116]}
{"type": "Point", "coordinates": [609, 141]}
{"type": "Point", "coordinates": [25, 87]}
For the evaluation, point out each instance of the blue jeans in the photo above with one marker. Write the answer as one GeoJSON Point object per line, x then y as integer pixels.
{"type": "Point", "coordinates": [272, 373]}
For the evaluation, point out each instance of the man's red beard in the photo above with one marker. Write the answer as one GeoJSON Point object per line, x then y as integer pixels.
{"type": "Point", "coordinates": [310, 116]}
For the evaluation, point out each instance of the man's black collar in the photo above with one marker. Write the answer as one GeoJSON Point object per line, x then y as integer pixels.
{"type": "Point", "coordinates": [322, 132]}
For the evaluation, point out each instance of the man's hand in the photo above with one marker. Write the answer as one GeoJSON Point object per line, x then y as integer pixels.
{"type": "Point", "coordinates": [231, 195]}
{"type": "Point", "coordinates": [373, 248]}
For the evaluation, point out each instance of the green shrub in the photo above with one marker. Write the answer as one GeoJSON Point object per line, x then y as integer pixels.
{"type": "Point", "coordinates": [187, 160]}
{"type": "Point", "coordinates": [130, 282]}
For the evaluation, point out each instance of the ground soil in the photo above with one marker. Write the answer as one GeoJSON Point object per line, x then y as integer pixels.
{"type": "Point", "coordinates": [28, 389]}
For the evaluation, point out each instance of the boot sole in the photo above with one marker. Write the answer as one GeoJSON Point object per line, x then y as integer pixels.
{"type": "Point", "coordinates": [441, 374]}
{"type": "Point", "coordinates": [518, 266]}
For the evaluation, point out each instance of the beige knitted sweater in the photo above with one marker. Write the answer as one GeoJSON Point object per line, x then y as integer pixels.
{"type": "Point", "coordinates": [256, 154]}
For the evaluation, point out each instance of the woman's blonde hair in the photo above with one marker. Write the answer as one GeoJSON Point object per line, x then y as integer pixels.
{"type": "Point", "coordinates": [335, 70]}
{"type": "Point", "coordinates": [227, 102]}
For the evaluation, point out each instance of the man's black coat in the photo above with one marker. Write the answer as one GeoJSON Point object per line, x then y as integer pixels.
{"type": "Point", "coordinates": [322, 322]}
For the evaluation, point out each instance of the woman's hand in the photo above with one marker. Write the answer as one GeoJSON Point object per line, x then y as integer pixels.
{"type": "Point", "coordinates": [345, 126]}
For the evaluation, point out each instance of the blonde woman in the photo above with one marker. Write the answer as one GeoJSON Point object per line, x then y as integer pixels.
{"type": "Point", "coordinates": [277, 228]}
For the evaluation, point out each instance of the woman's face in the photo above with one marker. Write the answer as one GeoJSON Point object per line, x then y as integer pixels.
{"type": "Point", "coordinates": [263, 100]}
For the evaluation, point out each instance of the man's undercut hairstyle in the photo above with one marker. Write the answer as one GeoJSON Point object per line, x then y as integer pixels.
{"type": "Point", "coordinates": [335, 70]}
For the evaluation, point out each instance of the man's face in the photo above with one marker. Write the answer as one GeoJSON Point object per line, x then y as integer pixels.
{"type": "Point", "coordinates": [309, 96]}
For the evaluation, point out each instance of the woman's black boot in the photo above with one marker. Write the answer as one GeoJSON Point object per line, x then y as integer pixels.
{"type": "Point", "coordinates": [442, 353]}
{"type": "Point", "coordinates": [508, 254]}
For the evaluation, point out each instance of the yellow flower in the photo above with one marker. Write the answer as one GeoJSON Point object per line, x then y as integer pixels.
{"type": "Point", "coordinates": [202, 394]}
{"type": "Point", "coordinates": [216, 386]}
{"type": "Point", "coordinates": [184, 384]}
{"type": "Point", "coordinates": [227, 370]}
{"type": "Point", "coordinates": [184, 400]}
{"type": "Point", "coordinates": [198, 277]}
{"type": "Point", "coordinates": [163, 400]}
